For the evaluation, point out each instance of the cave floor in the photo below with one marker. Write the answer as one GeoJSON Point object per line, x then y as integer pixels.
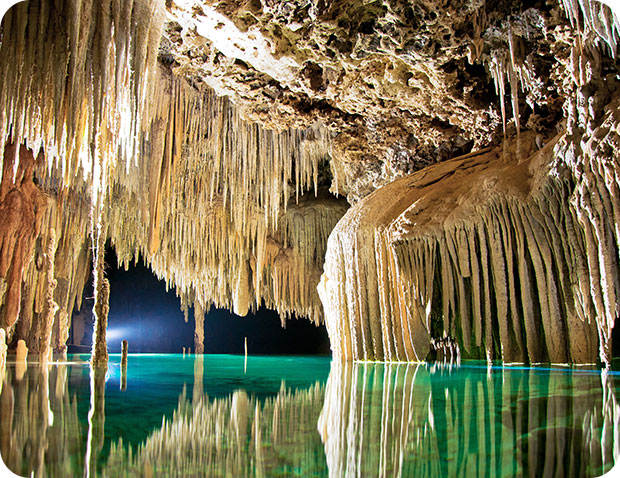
{"type": "Point", "coordinates": [279, 416]}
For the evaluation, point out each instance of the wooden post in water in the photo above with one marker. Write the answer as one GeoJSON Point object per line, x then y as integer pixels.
{"type": "Point", "coordinates": [245, 363]}
{"type": "Point", "coordinates": [124, 350]}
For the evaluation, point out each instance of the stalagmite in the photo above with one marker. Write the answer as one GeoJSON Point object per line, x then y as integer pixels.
{"type": "Point", "coordinates": [124, 350]}
{"type": "Point", "coordinates": [21, 355]}
{"type": "Point", "coordinates": [22, 352]}
{"type": "Point", "coordinates": [50, 307]}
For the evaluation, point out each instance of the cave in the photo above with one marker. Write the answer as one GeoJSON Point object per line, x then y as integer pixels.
{"type": "Point", "coordinates": [308, 238]}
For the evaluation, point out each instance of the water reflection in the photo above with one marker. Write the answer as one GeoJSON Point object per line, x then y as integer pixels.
{"type": "Point", "coordinates": [369, 420]}
{"type": "Point", "coordinates": [411, 420]}
{"type": "Point", "coordinates": [39, 430]}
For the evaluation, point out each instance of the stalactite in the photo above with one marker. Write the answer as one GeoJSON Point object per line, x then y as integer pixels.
{"type": "Point", "coordinates": [89, 82]}
{"type": "Point", "coordinates": [596, 17]}
{"type": "Point", "coordinates": [50, 307]}
{"type": "Point", "coordinates": [231, 182]}
{"type": "Point", "coordinates": [163, 163]}
{"type": "Point", "coordinates": [541, 299]}
{"type": "Point", "coordinates": [22, 207]}
{"type": "Point", "coordinates": [445, 351]}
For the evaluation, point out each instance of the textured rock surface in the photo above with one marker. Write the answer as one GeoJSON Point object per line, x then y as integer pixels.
{"type": "Point", "coordinates": [400, 85]}
{"type": "Point", "coordinates": [493, 249]}
{"type": "Point", "coordinates": [116, 129]}
{"type": "Point", "coordinates": [229, 212]}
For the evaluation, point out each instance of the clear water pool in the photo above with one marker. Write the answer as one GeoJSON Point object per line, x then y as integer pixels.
{"type": "Point", "coordinates": [218, 416]}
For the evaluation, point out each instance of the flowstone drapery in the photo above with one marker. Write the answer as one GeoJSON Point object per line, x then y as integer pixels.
{"type": "Point", "coordinates": [495, 249]}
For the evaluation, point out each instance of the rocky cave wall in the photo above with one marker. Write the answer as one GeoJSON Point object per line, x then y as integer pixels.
{"type": "Point", "coordinates": [212, 138]}
{"type": "Point", "coordinates": [511, 252]}
{"type": "Point", "coordinates": [228, 212]}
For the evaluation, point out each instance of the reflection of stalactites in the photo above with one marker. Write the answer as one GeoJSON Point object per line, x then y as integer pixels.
{"type": "Point", "coordinates": [96, 420]}
{"type": "Point", "coordinates": [379, 419]}
{"type": "Point", "coordinates": [44, 421]}
{"type": "Point", "coordinates": [348, 429]}
{"type": "Point", "coordinates": [232, 436]}
{"type": "Point", "coordinates": [6, 424]}
{"type": "Point", "coordinates": [198, 374]}
{"type": "Point", "coordinates": [39, 422]}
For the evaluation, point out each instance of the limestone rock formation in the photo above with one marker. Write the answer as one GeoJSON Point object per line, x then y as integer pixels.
{"type": "Point", "coordinates": [222, 141]}
{"type": "Point", "coordinates": [488, 249]}
{"type": "Point", "coordinates": [3, 350]}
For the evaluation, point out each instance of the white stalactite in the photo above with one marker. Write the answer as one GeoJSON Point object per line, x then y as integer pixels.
{"type": "Point", "coordinates": [516, 226]}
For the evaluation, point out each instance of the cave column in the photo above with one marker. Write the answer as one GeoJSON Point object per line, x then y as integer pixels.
{"type": "Point", "coordinates": [3, 351]}
{"type": "Point", "coordinates": [49, 307]}
{"type": "Point", "coordinates": [101, 287]}
{"type": "Point", "coordinates": [199, 329]}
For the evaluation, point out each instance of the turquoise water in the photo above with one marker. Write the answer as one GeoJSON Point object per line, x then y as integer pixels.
{"type": "Point", "coordinates": [219, 415]}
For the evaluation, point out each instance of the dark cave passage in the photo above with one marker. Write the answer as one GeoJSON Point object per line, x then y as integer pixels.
{"type": "Point", "coordinates": [151, 320]}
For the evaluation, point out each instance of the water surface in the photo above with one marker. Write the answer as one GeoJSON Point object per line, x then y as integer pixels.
{"type": "Point", "coordinates": [220, 416]}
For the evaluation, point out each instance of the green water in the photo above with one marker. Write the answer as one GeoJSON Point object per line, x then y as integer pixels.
{"type": "Point", "coordinates": [221, 416]}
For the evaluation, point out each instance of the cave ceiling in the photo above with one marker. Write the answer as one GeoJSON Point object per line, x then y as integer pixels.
{"type": "Point", "coordinates": [399, 85]}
